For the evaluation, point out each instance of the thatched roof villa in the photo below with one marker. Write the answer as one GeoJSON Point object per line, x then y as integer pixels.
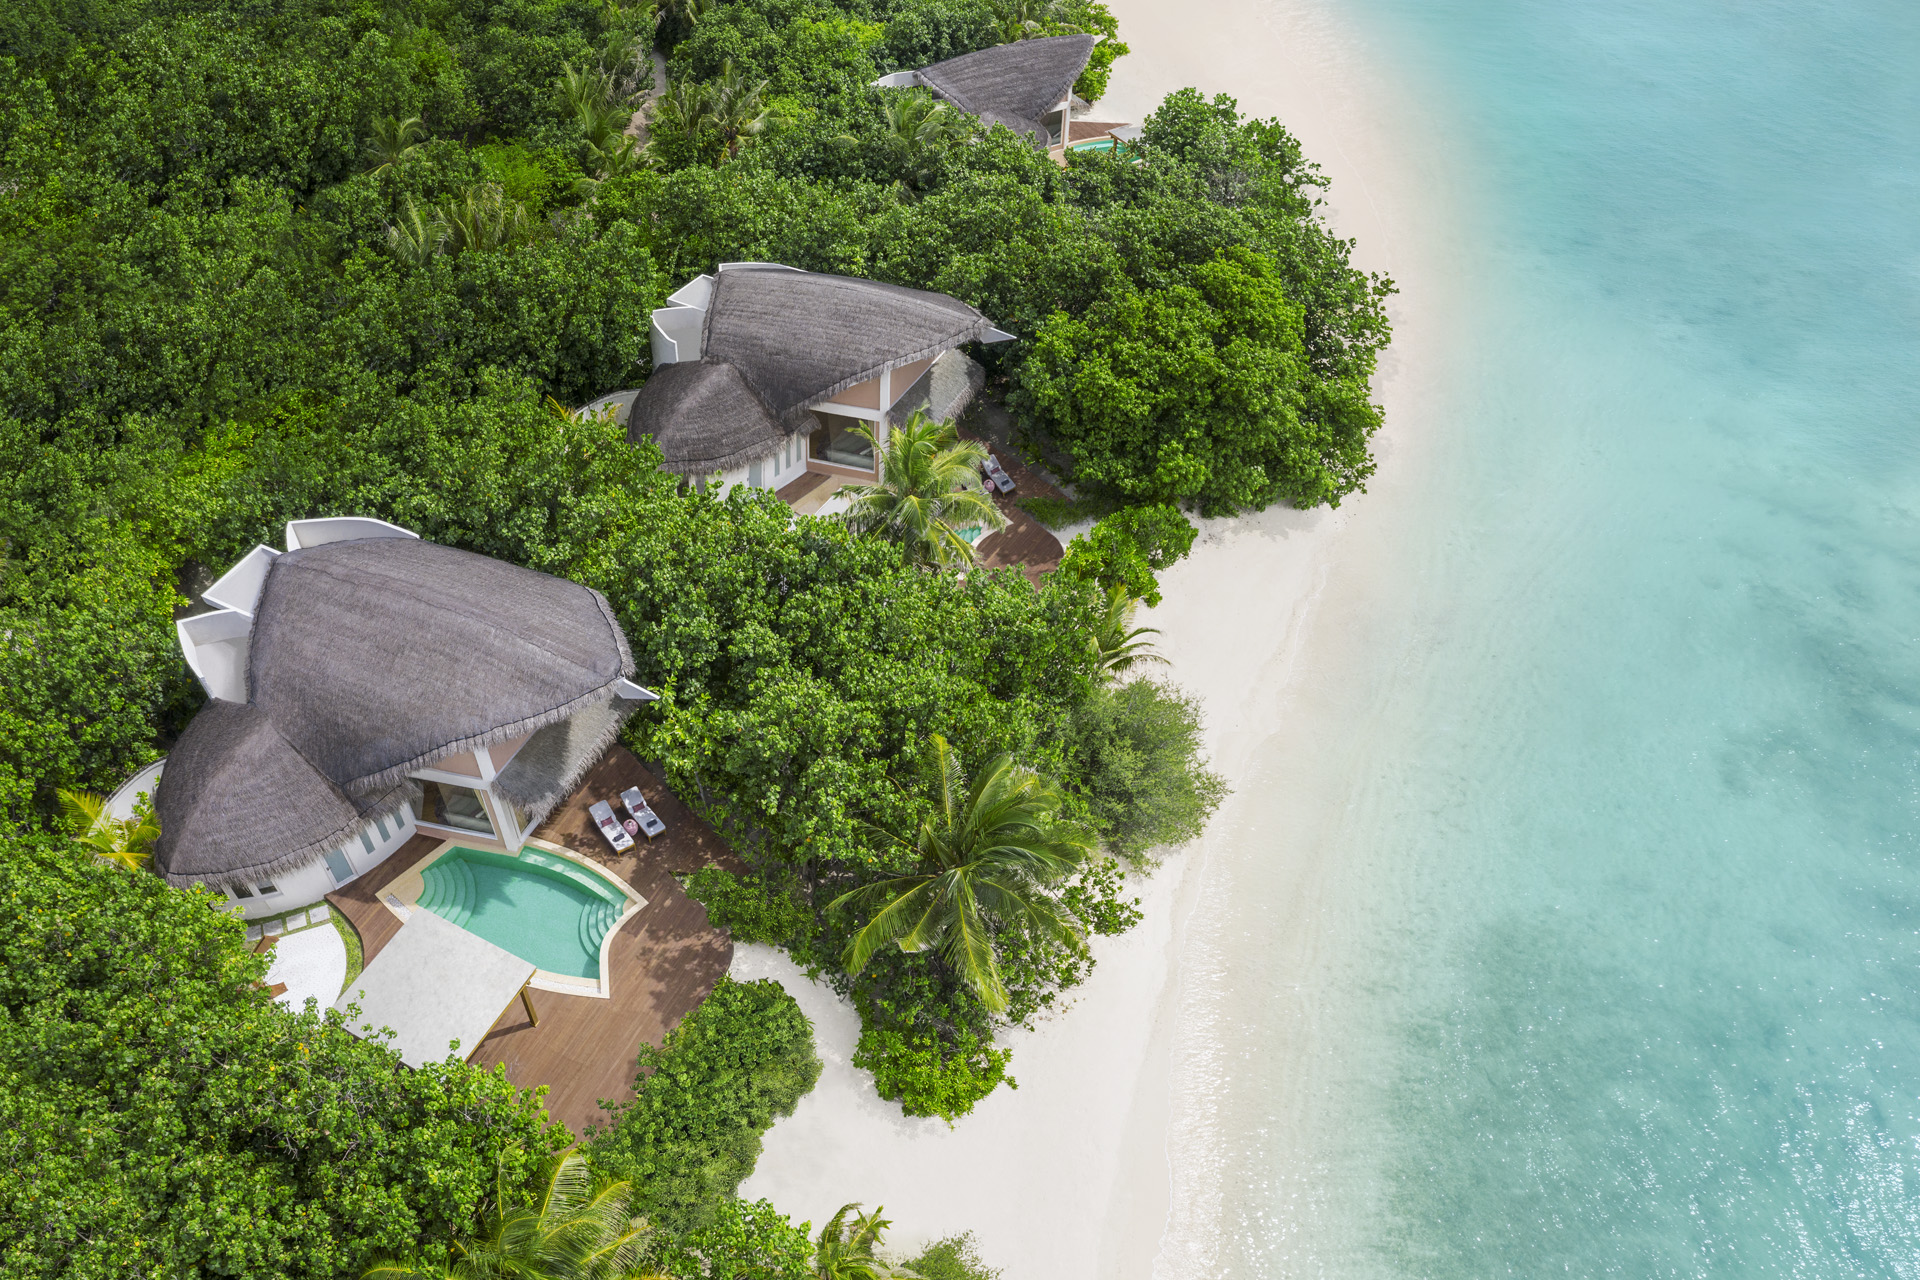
{"type": "Point", "coordinates": [762, 372]}
{"type": "Point", "coordinates": [366, 686]}
{"type": "Point", "coordinates": [1026, 85]}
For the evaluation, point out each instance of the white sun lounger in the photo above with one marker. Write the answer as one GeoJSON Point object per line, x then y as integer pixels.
{"type": "Point", "coordinates": [997, 474]}
{"type": "Point", "coordinates": [642, 812]}
{"type": "Point", "coordinates": [615, 833]}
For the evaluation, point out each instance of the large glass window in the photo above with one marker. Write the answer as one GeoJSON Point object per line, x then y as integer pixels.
{"type": "Point", "coordinates": [837, 441]}
{"type": "Point", "coordinates": [447, 805]}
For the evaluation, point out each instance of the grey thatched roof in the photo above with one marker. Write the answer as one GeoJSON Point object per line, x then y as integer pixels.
{"type": "Point", "coordinates": [799, 337]}
{"type": "Point", "coordinates": [704, 417]}
{"type": "Point", "coordinates": [238, 803]}
{"type": "Point", "coordinates": [377, 656]}
{"type": "Point", "coordinates": [368, 659]}
{"type": "Point", "coordinates": [547, 769]}
{"type": "Point", "coordinates": [1013, 84]}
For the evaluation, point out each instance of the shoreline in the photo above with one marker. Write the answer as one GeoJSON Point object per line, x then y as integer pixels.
{"type": "Point", "coordinates": [1077, 1173]}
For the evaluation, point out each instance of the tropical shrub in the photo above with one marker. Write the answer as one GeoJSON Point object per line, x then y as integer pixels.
{"type": "Point", "coordinates": [741, 1241]}
{"type": "Point", "coordinates": [954, 1258]}
{"type": "Point", "coordinates": [1128, 548]}
{"type": "Point", "coordinates": [163, 1116]}
{"type": "Point", "coordinates": [692, 1130]}
{"type": "Point", "coordinates": [752, 907]}
{"type": "Point", "coordinates": [1135, 749]}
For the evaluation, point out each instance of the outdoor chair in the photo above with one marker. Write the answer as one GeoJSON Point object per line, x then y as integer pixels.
{"type": "Point", "coordinates": [616, 834]}
{"type": "Point", "coordinates": [997, 474]}
{"type": "Point", "coordinates": [642, 812]}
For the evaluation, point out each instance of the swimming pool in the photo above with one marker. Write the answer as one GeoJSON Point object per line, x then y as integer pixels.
{"type": "Point", "coordinates": [549, 911]}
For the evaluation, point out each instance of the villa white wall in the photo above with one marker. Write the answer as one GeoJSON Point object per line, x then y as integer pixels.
{"type": "Point", "coordinates": [310, 883]}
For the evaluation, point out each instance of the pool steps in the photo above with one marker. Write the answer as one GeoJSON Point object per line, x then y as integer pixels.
{"type": "Point", "coordinates": [452, 893]}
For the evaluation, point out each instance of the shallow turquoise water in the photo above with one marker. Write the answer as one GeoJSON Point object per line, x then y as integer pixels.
{"type": "Point", "coordinates": [1630, 796]}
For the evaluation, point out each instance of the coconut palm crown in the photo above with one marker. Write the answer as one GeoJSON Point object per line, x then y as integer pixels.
{"type": "Point", "coordinates": [929, 488]}
{"type": "Point", "coordinates": [126, 841]}
{"type": "Point", "coordinates": [845, 1250]}
{"type": "Point", "coordinates": [988, 855]}
{"type": "Point", "coordinates": [574, 1228]}
{"type": "Point", "coordinates": [1118, 645]}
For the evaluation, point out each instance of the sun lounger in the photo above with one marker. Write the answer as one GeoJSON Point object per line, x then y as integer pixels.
{"type": "Point", "coordinates": [616, 834]}
{"type": "Point", "coordinates": [997, 474]}
{"type": "Point", "coordinates": [642, 812]}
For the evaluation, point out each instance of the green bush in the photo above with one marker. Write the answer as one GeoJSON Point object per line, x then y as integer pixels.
{"type": "Point", "coordinates": [691, 1132]}
{"type": "Point", "coordinates": [742, 1241]}
{"type": "Point", "coordinates": [753, 908]}
{"type": "Point", "coordinates": [955, 1258]}
{"type": "Point", "coordinates": [163, 1116]}
{"type": "Point", "coordinates": [1128, 548]}
{"type": "Point", "coordinates": [1135, 750]}
{"type": "Point", "coordinates": [927, 1073]}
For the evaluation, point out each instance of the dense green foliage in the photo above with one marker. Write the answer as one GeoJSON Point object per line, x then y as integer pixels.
{"type": "Point", "coordinates": [1135, 749]}
{"type": "Point", "coordinates": [752, 907]}
{"type": "Point", "coordinates": [263, 262]}
{"type": "Point", "coordinates": [1128, 549]}
{"type": "Point", "coordinates": [692, 1130]}
{"type": "Point", "coordinates": [162, 1116]}
{"type": "Point", "coordinates": [955, 1258]}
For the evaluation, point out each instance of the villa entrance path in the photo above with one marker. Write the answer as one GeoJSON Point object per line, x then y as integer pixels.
{"type": "Point", "coordinates": [1025, 542]}
{"type": "Point", "coordinates": [664, 960]}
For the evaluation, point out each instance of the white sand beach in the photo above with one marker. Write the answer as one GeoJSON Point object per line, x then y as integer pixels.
{"type": "Point", "coordinates": [1070, 1176]}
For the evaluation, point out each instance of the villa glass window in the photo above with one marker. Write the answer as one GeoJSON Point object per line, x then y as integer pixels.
{"type": "Point", "coordinates": [266, 887]}
{"type": "Point", "coordinates": [241, 891]}
{"type": "Point", "coordinates": [448, 805]}
{"type": "Point", "coordinates": [839, 441]}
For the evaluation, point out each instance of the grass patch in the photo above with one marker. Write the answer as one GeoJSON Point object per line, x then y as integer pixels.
{"type": "Point", "coordinates": [356, 954]}
{"type": "Point", "coordinates": [1058, 513]}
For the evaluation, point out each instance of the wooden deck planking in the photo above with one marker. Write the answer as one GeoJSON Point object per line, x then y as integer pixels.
{"type": "Point", "coordinates": [1025, 543]}
{"type": "Point", "coordinates": [663, 963]}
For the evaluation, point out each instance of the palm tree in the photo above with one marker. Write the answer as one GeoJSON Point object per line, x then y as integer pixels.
{"type": "Point", "coordinates": [577, 1228]}
{"type": "Point", "coordinates": [395, 139]}
{"type": "Point", "coordinates": [918, 128]}
{"type": "Point", "coordinates": [845, 1251]}
{"type": "Point", "coordinates": [1022, 19]}
{"type": "Point", "coordinates": [1118, 646]}
{"type": "Point", "coordinates": [987, 855]}
{"type": "Point", "coordinates": [126, 841]}
{"type": "Point", "coordinates": [418, 236]}
{"type": "Point", "coordinates": [737, 109]}
{"type": "Point", "coordinates": [481, 217]}
{"type": "Point", "coordinates": [929, 487]}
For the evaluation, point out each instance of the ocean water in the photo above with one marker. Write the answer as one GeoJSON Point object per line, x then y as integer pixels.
{"type": "Point", "coordinates": [1615, 777]}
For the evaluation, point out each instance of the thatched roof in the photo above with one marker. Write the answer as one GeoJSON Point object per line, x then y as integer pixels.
{"type": "Point", "coordinates": [704, 417]}
{"type": "Point", "coordinates": [368, 659]}
{"type": "Point", "coordinates": [238, 804]}
{"type": "Point", "coordinates": [1013, 84]}
{"type": "Point", "coordinates": [798, 337]}
{"type": "Point", "coordinates": [376, 656]}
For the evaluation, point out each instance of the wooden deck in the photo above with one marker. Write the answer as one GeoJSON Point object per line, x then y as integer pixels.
{"type": "Point", "coordinates": [1025, 543]}
{"type": "Point", "coordinates": [664, 960]}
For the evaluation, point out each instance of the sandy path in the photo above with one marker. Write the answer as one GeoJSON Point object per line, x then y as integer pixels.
{"type": "Point", "coordinates": [1069, 1176]}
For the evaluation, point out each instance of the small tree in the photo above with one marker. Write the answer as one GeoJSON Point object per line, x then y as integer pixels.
{"type": "Point", "coordinates": [575, 1228]}
{"type": "Point", "coordinates": [988, 855]}
{"type": "Point", "coordinates": [845, 1250]}
{"type": "Point", "coordinates": [929, 488]}
{"type": "Point", "coordinates": [1119, 645]}
{"type": "Point", "coordinates": [126, 841]}
{"type": "Point", "coordinates": [394, 140]}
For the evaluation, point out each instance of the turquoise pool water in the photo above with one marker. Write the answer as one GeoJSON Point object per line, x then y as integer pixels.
{"type": "Point", "coordinates": [550, 912]}
{"type": "Point", "coordinates": [1621, 775]}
